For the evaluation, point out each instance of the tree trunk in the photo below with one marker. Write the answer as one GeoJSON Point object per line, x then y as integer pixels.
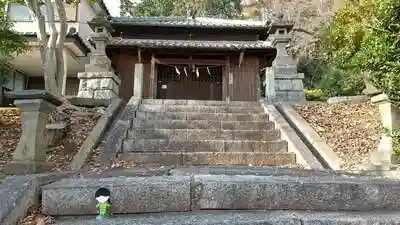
{"type": "Point", "coordinates": [1, 95]}
{"type": "Point", "coordinates": [51, 48]}
{"type": "Point", "coordinates": [60, 61]}
{"type": "Point", "coordinates": [50, 64]}
{"type": "Point", "coordinates": [39, 19]}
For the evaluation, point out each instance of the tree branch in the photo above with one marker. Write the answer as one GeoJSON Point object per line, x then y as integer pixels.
{"type": "Point", "coordinates": [52, 25]}
{"type": "Point", "coordinates": [304, 31]}
{"type": "Point", "coordinates": [39, 19]}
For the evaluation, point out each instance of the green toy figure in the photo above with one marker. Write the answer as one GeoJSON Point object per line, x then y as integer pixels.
{"type": "Point", "coordinates": [103, 202]}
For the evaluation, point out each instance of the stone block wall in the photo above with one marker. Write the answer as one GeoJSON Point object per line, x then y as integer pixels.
{"type": "Point", "coordinates": [283, 82]}
{"type": "Point", "coordinates": [289, 87]}
{"type": "Point", "coordinates": [98, 85]}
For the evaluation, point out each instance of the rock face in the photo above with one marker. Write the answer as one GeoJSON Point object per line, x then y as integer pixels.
{"type": "Point", "coordinates": [307, 15]}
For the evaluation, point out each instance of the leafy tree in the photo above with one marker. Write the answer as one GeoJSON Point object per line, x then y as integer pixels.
{"type": "Point", "coordinates": [363, 41]}
{"type": "Point", "coordinates": [147, 8]}
{"type": "Point", "coordinates": [213, 8]}
{"type": "Point", "coordinates": [380, 51]}
{"type": "Point", "coordinates": [340, 41]}
{"type": "Point", "coordinates": [224, 9]}
{"type": "Point", "coordinates": [11, 44]}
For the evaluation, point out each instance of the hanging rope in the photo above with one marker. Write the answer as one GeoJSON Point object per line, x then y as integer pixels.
{"type": "Point", "coordinates": [194, 69]}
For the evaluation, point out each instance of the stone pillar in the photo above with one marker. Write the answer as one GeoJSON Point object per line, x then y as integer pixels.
{"type": "Point", "coordinates": [270, 93]}
{"type": "Point", "coordinates": [65, 75]}
{"type": "Point", "coordinates": [99, 80]}
{"type": "Point", "coordinates": [288, 83]}
{"type": "Point", "coordinates": [138, 82]}
{"type": "Point", "coordinates": [30, 154]}
{"type": "Point", "coordinates": [390, 117]}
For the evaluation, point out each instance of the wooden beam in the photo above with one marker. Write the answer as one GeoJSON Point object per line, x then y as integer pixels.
{"type": "Point", "coordinates": [241, 58]}
{"type": "Point", "coordinates": [139, 53]}
{"type": "Point", "coordinates": [178, 61]}
{"type": "Point", "coordinates": [199, 51]}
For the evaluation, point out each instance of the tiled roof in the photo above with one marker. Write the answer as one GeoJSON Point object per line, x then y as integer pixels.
{"type": "Point", "coordinates": [223, 45]}
{"type": "Point", "coordinates": [189, 22]}
{"type": "Point", "coordinates": [103, 6]}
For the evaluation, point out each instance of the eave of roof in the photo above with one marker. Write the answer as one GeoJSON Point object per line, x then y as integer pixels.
{"type": "Point", "coordinates": [75, 37]}
{"type": "Point", "coordinates": [192, 44]}
{"type": "Point", "coordinates": [103, 6]}
{"type": "Point", "coordinates": [188, 22]}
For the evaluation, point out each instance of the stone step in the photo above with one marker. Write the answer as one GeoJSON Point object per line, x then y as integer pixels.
{"type": "Point", "coordinates": [75, 196]}
{"type": "Point", "coordinates": [204, 134]}
{"type": "Point", "coordinates": [283, 217]}
{"type": "Point", "coordinates": [201, 108]}
{"type": "Point", "coordinates": [165, 145]}
{"type": "Point", "coordinates": [203, 124]}
{"type": "Point", "coordinates": [258, 171]}
{"type": "Point", "coordinates": [231, 170]}
{"type": "Point", "coordinates": [200, 116]}
{"type": "Point", "coordinates": [199, 102]}
{"type": "Point", "coordinates": [209, 158]}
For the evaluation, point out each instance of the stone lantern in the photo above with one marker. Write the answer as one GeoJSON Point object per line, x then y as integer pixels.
{"type": "Point", "coordinates": [99, 80]}
{"type": "Point", "coordinates": [283, 83]}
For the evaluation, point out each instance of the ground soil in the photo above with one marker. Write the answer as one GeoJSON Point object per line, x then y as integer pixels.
{"type": "Point", "coordinates": [352, 130]}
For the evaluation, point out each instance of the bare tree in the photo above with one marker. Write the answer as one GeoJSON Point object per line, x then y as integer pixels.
{"type": "Point", "coordinates": [51, 42]}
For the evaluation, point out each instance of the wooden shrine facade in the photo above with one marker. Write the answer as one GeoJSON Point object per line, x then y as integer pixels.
{"type": "Point", "coordinates": [196, 59]}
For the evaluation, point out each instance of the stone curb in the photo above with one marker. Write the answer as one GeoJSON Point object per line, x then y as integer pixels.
{"type": "Point", "coordinates": [113, 141]}
{"type": "Point", "coordinates": [348, 99]}
{"type": "Point", "coordinates": [88, 102]}
{"type": "Point", "coordinates": [316, 144]}
{"type": "Point", "coordinates": [96, 134]}
{"type": "Point", "coordinates": [18, 193]}
{"type": "Point", "coordinates": [304, 156]}
{"type": "Point", "coordinates": [243, 218]}
{"type": "Point", "coordinates": [221, 192]}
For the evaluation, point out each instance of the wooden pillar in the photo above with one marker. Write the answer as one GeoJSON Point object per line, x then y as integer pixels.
{"type": "Point", "coordinates": [224, 82]}
{"type": "Point", "coordinates": [258, 81]}
{"type": "Point", "coordinates": [153, 81]}
{"type": "Point", "coordinates": [229, 84]}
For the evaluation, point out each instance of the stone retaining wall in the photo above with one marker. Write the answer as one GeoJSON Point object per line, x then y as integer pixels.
{"type": "Point", "coordinates": [220, 192]}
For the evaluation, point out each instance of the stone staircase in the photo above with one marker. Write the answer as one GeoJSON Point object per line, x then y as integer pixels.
{"type": "Point", "coordinates": [188, 132]}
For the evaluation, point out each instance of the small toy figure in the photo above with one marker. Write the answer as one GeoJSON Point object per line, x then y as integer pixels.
{"type": "Point", "coordinates": [103, 202]}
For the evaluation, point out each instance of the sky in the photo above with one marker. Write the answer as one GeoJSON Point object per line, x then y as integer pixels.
{"type": "Point", "coordinates": [113, 6]}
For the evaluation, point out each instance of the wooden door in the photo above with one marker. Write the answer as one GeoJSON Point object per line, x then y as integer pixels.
{"type": "Point", "coordinates": [189, 85]}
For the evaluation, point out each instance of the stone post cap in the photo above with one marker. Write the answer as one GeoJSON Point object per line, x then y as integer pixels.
{"type": "Point", "coordinates": [278, 27]}
{"type": "Point", "coordinates": [275, 39]}
{"type": "Point", "coordinates": [381, 98]}
{"type": "Point", "coordinates": [34, 94]}
{"type": "Point", "coordinates": [100, 25]}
